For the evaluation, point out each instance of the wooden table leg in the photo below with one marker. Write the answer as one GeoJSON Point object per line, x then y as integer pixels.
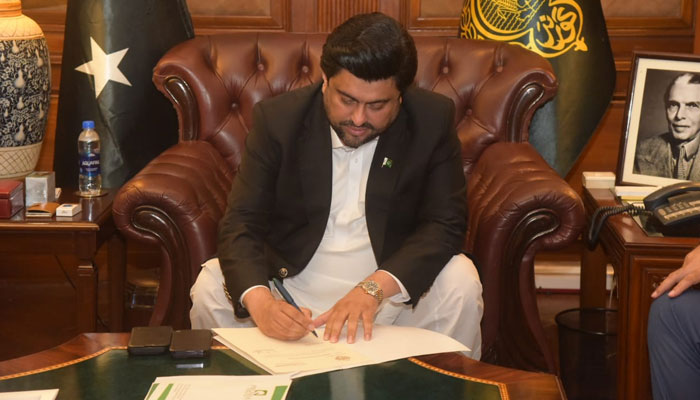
{"type": "Point", "coordinates": [86, 285]}
{"type": "Point", "coordinates": [593, 275]}
{"type": "Point", "coordinates": [117, 278]}
{"type": "Point", "coordinates": [87, 296]}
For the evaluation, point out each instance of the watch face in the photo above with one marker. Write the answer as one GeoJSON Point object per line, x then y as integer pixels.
{"type": "Point", "coordinates": [372, 287]}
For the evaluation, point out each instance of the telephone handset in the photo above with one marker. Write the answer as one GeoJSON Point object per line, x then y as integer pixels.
{"type": "Point", "coordinates": [676, 204]}
{"type": "Point", "coordinates": [676, 209]}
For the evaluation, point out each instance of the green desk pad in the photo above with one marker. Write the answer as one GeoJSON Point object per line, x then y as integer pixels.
{"type": "Point", "coordinates": [114, 374]}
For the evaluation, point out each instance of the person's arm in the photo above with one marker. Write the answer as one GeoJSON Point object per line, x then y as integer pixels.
{"type": "Point", "coordinates": [683, 278]}
{"type": "Point", "coordinates": [275, 317]}
{"type": "Point", "coordinates": [242, 233]}
{"type": "Point", "coordinates": [354, 307]}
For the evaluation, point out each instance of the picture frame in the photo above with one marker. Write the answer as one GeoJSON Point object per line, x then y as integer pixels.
{"type": "Point", "coordinates": [647, 162]}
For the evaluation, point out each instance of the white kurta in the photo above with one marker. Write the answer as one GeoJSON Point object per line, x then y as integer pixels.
{"type": "Point", "coordinates": [453, 305]}
{"type": "Point", "coordinates": [344, 257]}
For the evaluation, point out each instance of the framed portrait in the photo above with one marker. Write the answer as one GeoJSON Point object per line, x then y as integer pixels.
{"type": "Point", "coordinates": [661, 130]}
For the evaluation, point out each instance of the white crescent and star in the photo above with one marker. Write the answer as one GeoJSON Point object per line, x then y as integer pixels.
{"type": "Point", "coordinates": [104, 67]}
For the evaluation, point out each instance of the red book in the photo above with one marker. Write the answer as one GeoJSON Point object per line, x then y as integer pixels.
{"type": "Point", "coordinates": [11, 197]}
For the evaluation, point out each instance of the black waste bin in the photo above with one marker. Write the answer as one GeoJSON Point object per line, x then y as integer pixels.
{"type": "Point", "coordinates": [588, 352]}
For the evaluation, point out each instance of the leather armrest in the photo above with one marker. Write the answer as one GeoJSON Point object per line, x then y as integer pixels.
{"type": "Point", "coordinates": [518, 205]}
{"type": "Point", "coordinates": [176, 202]}
{"type": "Point", "coordinates": [510, 182]}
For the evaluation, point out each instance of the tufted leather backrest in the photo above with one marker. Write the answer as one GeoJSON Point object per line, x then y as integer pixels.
{"type": "Point", "coordinates": [517, 204]}
{"type": "Point", "coordinates": [496, 87]}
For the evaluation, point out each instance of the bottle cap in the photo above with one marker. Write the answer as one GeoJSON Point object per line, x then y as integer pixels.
{"type": "Point", "coordinates": [88, 124]}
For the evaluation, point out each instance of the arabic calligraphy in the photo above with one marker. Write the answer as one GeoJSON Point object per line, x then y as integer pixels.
{"type": "Point", "coordinates": [547, 27]}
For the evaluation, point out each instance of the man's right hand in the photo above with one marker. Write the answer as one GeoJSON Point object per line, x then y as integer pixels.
{"type": "Point", "coordinates": [277, 318]}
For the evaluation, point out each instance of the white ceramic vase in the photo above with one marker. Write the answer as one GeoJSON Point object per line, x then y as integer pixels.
{"type": "Point", "coordinates": [25, 86]}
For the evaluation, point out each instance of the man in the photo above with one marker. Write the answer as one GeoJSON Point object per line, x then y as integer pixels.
{"type": "Point", "coordinates": [352, 191]}
{"type": "Point", "coordinates": [672, 154]}
{"type": "Point", "coordinates": [674, 333]}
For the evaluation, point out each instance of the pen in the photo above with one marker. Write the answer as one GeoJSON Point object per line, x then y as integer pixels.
{"type": "Point", "coordinates": [287, 297]}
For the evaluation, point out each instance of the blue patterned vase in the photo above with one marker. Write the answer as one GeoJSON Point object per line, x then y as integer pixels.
{"type": "Point", "coordinates": [25, 85]}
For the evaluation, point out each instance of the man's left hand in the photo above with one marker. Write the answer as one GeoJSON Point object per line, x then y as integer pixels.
{"type": "Point", "coordinates": [356, 306]}
{"type": "Point", "coordinates": [682, 278]}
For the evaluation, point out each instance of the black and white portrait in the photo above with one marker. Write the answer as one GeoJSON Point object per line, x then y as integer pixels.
{"type": "Point", "coordinates": [669, 126]}
{"type": "Point", "coordinates": [662, 135]}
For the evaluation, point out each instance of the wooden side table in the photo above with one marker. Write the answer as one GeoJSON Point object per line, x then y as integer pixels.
{"type": "Point", "coordinates": [81, 235]}
{"type": "Point", "coordinates": [641, 262]}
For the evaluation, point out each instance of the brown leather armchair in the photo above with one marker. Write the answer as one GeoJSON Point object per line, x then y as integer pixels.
{"type": "Point", "coordinates": [517, 204]}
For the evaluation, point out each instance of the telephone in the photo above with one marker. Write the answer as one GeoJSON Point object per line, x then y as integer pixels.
{"type": "Point", "coordinates": [675, 205]}
{"type": "Point", "coordinates": [674, 211]}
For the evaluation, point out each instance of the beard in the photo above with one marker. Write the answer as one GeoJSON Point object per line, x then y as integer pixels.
{"type": "Point", "coordinates": [354, 141]}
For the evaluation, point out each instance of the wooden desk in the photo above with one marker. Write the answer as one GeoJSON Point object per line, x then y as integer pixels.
{"type": "Point", "coordinates": [521, 385]}
{"type": "Point", "coordinates": [81, 235]}
{"type": "Point", "coordinates": [641, 262]}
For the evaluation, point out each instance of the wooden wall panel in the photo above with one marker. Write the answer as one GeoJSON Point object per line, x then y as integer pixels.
{"type": "Point", "coordinates": [655, 26]}
{"type": "Point", "coordinates": [696, 45]}
{"type": "Point", "coordinates": [253, 8]}
{"type": "Point", "coordinates": [324, 15]}
{"type": "Point", "coordinates": [423, 17]}
{"type": "Point", "coordinates": [332, 12]}
{"type": "Point", "coordinates": [644, 8]}
{"type": "Point", "coordinates": [602, 151]}
{"type": "Point", "coordinates": [222, 16]}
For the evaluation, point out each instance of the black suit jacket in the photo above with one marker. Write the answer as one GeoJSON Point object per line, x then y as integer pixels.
{"type": "Point", "coordinates": [280, 200]}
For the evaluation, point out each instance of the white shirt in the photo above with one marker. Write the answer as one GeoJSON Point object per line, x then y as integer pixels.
{"type": "Point", "coordinates": [344, 257]}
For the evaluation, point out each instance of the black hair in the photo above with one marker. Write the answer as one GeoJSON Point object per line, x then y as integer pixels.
{"type": "Point", "coordinates": [372, 47]}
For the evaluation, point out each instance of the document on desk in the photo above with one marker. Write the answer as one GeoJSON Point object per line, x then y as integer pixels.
{"type": "Point", "coordinates": [215, 387]}
{"type": "Point", "coordinates": [49, 394]}
{"type": "Point", "coordinates": [311, 355]}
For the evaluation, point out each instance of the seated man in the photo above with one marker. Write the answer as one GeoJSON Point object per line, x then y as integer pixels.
{"type": "Point", "coordinates": [674, 333]}
{"type": "Point", "coordinates": [352, 191]}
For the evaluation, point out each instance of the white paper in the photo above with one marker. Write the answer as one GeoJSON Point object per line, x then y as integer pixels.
{"type": "Point", "coordinates": [312, 355]}
{"type": "Point", "coordinates": [49, 394]}
{"type": "Point", "coordinates": [214, 387]}
{"type": "Point", "coordinates": [281, 357]}
{"type": "Point", "coordinates": [634, 190]}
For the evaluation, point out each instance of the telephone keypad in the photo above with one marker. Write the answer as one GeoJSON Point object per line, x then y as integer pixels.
{"type": "Point", "coordinates": [677, 211]}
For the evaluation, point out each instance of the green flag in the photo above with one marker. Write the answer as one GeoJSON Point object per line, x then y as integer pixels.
{"type": "Point", "coordinates": [572, 35]}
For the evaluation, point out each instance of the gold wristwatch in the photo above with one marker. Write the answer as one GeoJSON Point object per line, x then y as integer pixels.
{"type": "Point", "coordinates": [372, 288]}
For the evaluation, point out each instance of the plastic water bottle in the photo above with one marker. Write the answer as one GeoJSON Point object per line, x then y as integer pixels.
{"type": "Point", "coordinates": [90, 178]}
